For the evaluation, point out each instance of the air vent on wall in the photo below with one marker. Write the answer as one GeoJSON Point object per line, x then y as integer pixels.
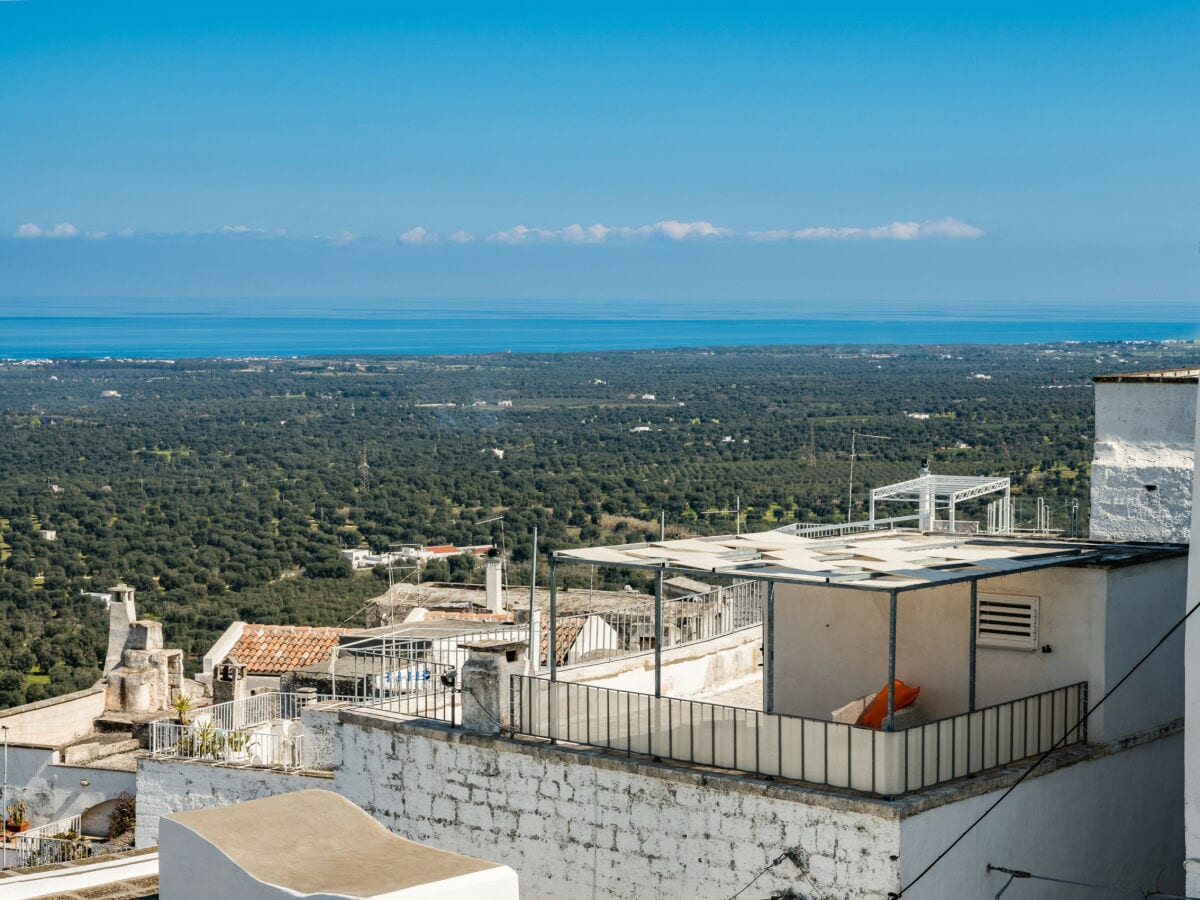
{"type": "Point", "coordinates": [1007, 621]}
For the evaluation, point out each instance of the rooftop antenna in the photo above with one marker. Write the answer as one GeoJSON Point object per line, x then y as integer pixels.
{"type": "Point", "coordinates": [854, 436]}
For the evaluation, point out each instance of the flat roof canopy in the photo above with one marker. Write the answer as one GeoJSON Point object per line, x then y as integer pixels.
{"type": "Point", "coordinates": [896, 560]}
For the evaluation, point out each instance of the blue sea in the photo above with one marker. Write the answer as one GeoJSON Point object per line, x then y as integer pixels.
{"type": "Point", "coordinates": [33, 329]}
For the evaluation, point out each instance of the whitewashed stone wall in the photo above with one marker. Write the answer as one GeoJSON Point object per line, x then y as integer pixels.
{"type": "Point", "coordinates": [166, 786]}
{"type": "Point", "coordinates": [577, 824]}
{"type": "Point", "coordinates": [1142, 461]}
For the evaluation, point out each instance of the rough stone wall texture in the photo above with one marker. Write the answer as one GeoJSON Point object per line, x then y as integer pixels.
{"type": "Point", "coordinates": [167, 786]}
{"type": "Point", "coordinates": [577, 824]}
{"type": "Point", "coordinates": [1142, 461]}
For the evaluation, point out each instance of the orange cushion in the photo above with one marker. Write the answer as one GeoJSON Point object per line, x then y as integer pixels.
{"type": "Point", "coordinates": [876, 711]}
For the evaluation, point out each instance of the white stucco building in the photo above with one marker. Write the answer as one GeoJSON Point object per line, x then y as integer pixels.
{"type": "Point", "coordinates": [1144, 456]}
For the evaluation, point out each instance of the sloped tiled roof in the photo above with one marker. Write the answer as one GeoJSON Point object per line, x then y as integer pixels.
{"type": "Point", "coordinates": [567, 631]}
{"type": "Point", "coordinates": [275, 649]}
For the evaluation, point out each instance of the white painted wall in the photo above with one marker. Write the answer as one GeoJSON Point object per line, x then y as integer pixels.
{"type": "Point", "coordinates": [1145, 435]}
{"type": "Point", "coordinates": [596, 635]}
{"type": "Point", "coordinates": [220, 649]}
{"type": "Point", "coordinates": [59, 720]}
{"type": "Point", "coordinates": [165, 786]}
{"type": "Point", "coordinates": [192, 868]}
{"type": "Point", "coordinates": [1111, 820]}
{"type": "Point", "coordinates": [1144, 601]}
{"type": "Point", "coordinates": [54, 792]}
{"type": "Point", "coordinates": [687, 671]}
{"type": "Point", "coordinates": [831, 644]}
{"type": "Point", "coordinates": [1192, 695]}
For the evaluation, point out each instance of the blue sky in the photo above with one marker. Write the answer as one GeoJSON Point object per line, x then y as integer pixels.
{"type": "Point", "coordinates": [1015, 152]}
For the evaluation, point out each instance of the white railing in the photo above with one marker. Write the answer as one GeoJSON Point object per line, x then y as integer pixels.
{"type": "Point", "coordinates": [69, 825]}
{"type": "Point", "coordinates": [809, 750]}
{"type": "Point", "coordinates": [584, 638]}
{"type": "Point", "coordinates": [273, 746]}
{"type": "Point", "coordinates": [55, 842]}
{"type": "Point", "coordinates": [800, 529]}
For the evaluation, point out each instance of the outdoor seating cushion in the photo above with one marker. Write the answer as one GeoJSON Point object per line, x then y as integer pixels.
{"type": "Point", "coordinates": [877, 710]}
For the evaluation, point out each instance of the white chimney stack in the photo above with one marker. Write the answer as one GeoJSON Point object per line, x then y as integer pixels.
{"type": "Point", "coordinates": [495, 581]}
{"type": "Point", "coordinates": [925, 506]}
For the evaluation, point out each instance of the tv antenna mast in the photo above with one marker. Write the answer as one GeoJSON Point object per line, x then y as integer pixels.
{"type": "Point", "coordinates": [364, 472]}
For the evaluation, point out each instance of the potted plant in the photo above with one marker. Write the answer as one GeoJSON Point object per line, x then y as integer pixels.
{"type": "Point", "coordinates": [18, 817]}
{"type": "Point", "coordinates": [182, 704]}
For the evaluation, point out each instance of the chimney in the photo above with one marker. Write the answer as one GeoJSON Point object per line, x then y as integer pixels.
{"type": "Point", "coordinates": [122, 613]}
{"type": "Point", "coordinates": [495, 570]}
{"type": "Point", "coordinates": [926, 503]}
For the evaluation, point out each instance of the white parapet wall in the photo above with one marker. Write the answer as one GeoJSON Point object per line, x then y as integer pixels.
{"type": "Point", "coordinates": [1142, 461]}
{"type": "Point", "coordinates": [690, 670]}
{"type": "Point", "coordinates": [167, 786]}
{"type": "Point", "coordinates": [578, 824]}
{"type": "Point", "coordinates": [59, 720]}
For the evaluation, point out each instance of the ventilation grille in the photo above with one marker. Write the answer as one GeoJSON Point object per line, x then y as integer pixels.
{"type": "Point", "coordinates": [1007, 621]}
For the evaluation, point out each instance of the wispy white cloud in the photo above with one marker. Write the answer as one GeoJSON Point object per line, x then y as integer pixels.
{"type": "Point", "coordinates": [462, 237]}
{"type": "Point", "coordinates": [95, 235]}
{"type": "Point", "coordinates": [948, 227]}
{"type": "Point", "coordinates": [418, 235]}
{"type": "Point", "coordinates": [61, 230]}
{"type": "Point", "coordinates": [599, 234]}
{"type": "Point", "coordinates": [342, 238]}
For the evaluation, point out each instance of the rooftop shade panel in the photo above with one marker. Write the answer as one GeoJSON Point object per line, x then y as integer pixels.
{"type": "Point", "coordinates": [880, 558]}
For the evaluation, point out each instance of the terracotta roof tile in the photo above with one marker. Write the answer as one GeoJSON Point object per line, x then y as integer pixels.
{"type": "Point", "coordinates": [566, 633]}
{"type": "Point", "coordinates": [275, 649]}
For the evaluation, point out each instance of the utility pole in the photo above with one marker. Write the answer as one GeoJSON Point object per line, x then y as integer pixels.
{"type": "Point", "coordinates": [4, 836]}
{"type": "Point", "coordinates": [854, 436]}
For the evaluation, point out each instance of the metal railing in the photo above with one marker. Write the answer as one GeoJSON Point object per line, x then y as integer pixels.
{"type": "Point", "coordinates": [801, 749]}
{"type": "Point", "coordinates": [590, 637]}
{"type": "Point", "coordinates": [272, 746]}
{"type": "Point", "coordinates": [448, 650]}
{"type": "Point", "coordinates": [801, 529]}
{"type": "Point", "coordinates": [406, 685]}
{"type": "Point", "coordinates": [69, 825]}
{"type": "Point", "coordinates": [27, 852]}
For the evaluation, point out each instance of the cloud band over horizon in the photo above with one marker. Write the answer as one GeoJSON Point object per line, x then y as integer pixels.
{"type": "Point", "coordinates": [668, 229]}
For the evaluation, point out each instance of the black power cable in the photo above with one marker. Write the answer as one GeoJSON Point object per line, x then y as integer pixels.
{"type": "Point", "coordinates": [1041, 759]}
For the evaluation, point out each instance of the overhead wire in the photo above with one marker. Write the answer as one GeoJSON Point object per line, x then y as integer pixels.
{"type": "Point", "coordinates": [1041, 759]}
{"type": "Point", "coordinates": [1014, 874]}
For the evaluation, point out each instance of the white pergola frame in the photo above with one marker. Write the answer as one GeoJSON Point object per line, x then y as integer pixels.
{"type": "Point", "coordinates": [934, 492]}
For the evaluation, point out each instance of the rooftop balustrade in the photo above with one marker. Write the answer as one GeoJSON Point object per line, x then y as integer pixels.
{"type": "Point", "coordinates": [815, 751]}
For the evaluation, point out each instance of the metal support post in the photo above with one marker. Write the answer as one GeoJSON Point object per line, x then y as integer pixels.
{"type": "Point", "coordinates": [769, 649]}
{"type": "Point", "coordinates": [971, 660]}
{"type": "Point", "coordinates": [552, 649]}
{"type": "Point", "coordinates": [889, 724]}
{"type": "Point", "coordinates": [658, 632]}
{"type": "Point", "coordinates": [4, 835]}
{"type": "Point", "coordinates": [532, 594]}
